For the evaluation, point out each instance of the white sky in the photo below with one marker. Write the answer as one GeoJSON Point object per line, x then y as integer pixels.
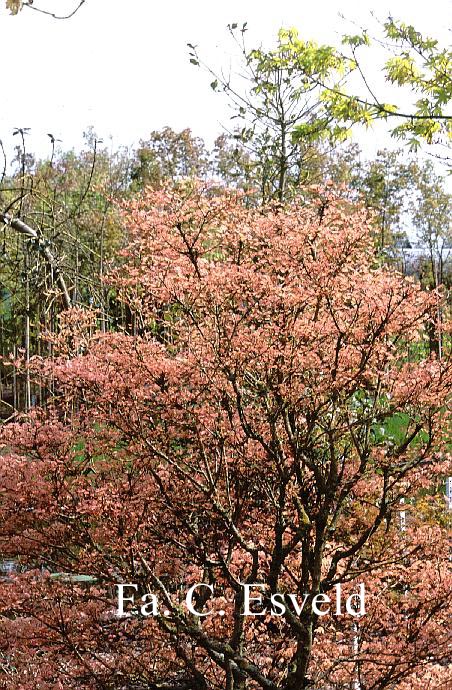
{"type": "Point", "coordinates": [122, 65]}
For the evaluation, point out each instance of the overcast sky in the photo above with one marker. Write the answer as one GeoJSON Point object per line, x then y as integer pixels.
{"type": "Point", "coordinates": [122, 65]}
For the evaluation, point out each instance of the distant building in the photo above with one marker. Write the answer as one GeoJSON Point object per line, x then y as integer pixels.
{"type": "Point", "coordinates": [415, 259]}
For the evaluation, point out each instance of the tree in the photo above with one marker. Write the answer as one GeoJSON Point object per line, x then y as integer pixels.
{"type": "Point", "coordinates": [414, 61]}
{"type": "Point", "coordinates": [168, 156]}
{"type": "Point", "coordinates": [295, 96]}
{"type": "Point", "coordinates": [386, 185]}
{"type": "Point", "coordinates": [280, 112]}
{"type": "Point", "coordinates": [263, 427]}
{"type": "Point", "coordinates": [60, 228]}
{"type": "Point", "coordinates": [432, 209]}
{"type": "Point", "coordinates": [233, 164]}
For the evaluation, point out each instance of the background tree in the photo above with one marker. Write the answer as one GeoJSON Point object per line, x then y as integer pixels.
{"type": "Point", "coordinates": [59, 231]}
{"type": "Point", "coordinates": [233, 163]}
{"type": "Point", "coordinates": [432, 212]}
{"type": "Point", "coordinates": [280, 113]}
{"type": "Point", "coordinates": [168, 156]}
{"type": "Point", "coordinates": [386, 185]}
{"type": "Point", "coordinates": [296, 95]}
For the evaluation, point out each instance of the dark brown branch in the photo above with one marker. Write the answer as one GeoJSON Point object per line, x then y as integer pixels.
{"type": "Point", "coordinates": [31, 6]}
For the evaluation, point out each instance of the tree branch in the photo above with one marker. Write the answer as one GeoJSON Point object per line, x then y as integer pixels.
{"type": "Point", "coordinates": [26, 230]}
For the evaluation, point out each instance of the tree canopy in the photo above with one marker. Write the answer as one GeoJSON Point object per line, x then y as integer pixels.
{"type": "Point", "coordinates": [265, 425]}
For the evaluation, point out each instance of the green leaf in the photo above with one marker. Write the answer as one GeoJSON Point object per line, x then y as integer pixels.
{"type": "Point", "coordinates": [356, 40]}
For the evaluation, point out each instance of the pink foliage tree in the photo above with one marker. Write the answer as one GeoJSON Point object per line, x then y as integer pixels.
{"type": "Point", "coordinates": [263, 425]}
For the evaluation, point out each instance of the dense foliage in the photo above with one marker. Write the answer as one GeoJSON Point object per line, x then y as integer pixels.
{"type": "Point", "coordinates": [263, 426]}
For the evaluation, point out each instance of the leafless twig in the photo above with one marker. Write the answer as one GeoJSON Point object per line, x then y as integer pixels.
{"type": "Point", "coordinates": [52, 14]}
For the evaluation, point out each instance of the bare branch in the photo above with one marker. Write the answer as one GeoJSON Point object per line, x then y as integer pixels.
{"type": "Point", "coordinates": [31, 6]}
